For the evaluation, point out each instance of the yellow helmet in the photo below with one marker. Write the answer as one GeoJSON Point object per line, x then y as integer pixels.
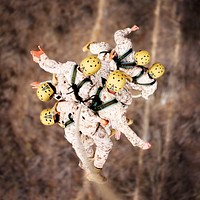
{"type": "Point", "coordinates": [156, 70]}
{"type": "Point", "coordinates": [142, 57]}
{"type": "Point", "coordinates": [116, 80]}
{"type": "Point", "coordinates": [46, 117]}
{"type": "Point", "coordinates": [90, 65]}
{"type": "Point", "coordinates": [45, 91]}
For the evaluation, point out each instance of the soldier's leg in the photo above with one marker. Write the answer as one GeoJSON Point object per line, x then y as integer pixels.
{"type": "Point", "coordinates": [70, 133]}
{"type": "Point", "coordinates": [88, 145]}
{"type": "Point", "coordinates": [103, 147]}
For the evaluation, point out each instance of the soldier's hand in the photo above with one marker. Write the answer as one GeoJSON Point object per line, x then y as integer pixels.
{"type": "Point", "coordinates": [104, 122]}
{"type": "Point", "coordinates": [134, 28]}
{"type": "Point", "coordinates": [35, 85]}
{"type": "Point", "coordinates": [117, 135]}
{"type": "Point", "coordinates": [146, 146]}
{"type": "Point", "coordinates": [36, 54]}
{"type": "Point", "coordinates": [112, 54]}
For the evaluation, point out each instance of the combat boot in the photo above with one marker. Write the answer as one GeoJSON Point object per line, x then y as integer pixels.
{"type": "Point", "coordinates": [90, 160]}
{"type": "Point", "coordinates": [96, 176]}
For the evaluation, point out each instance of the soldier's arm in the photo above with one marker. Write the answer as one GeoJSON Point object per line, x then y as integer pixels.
{"type": "Point", "coordinates": [120, 35]}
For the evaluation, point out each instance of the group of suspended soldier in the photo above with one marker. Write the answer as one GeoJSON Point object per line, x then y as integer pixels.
{"type": "Point", "coordinates": [92, 97]}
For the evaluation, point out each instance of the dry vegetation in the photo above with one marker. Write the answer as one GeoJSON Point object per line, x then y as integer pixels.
{"type": "Point", "coordinates": [37, 163]}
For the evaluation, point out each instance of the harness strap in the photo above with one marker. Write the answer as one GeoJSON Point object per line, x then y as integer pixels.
{"type": "Point", "coordinates": [125, 54]}
{"type": "Point", "coordinates": [74, 74]}
{"type": "Point", "coordinates": [97, 104]}
{"type": "Point", "coordinates": [151, 83]}
{"type": "Point", "coordinates": [135, 78]}
{"type": "Point", "coordinates": [139, 75]}
{"type": "Point", "coordinates": [103, 81]}
{"type": "Point", "coordinates": [128, 65]}
{"type": "Point", "coordinates": [83, 82]}
{"type": "Point", "coordinates": [96, 101]}
{"type": "Point", "coordinates": [76, 87]}
{"type": "Point", "coordinates": [70, 121]}
{"type": "Point", "coordinates": [104, 105]}
{"type": "Point", "coordinates": [105, 51]}
{"type": "Point", "coordinates": [76, 91]}
{"type": "Point", "coordinates": [119, 62]}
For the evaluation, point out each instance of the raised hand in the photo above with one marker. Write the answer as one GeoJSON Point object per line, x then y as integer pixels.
{"type": "Point", "coordinates": [112, 54]}
{"type": "Point", "coordinates": [146, 146]}
{"type": "Point", "coordinates": [36, 54]}
{"type": "Point", "coordinates": [104, 122]}
{"type": "Point", "coordinates": [35, 85]}
{"type": "Point", "coordinates": [134, 28]}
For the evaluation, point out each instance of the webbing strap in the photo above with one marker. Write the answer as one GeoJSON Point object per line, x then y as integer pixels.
{"type": "Point", "coordinates": [97, 104]}
{"type": "Point", "coordinates": [96, 101]}
{"type": "Point", "coordinates": [105, 51]}
{"type": "Point", "coordinates": [68, 122]}
{"type": "Point", "coordinates": [151, 83]}
{"type": "Point", "coordinates": [74, 74]}
{"type": "Point", "coordinates": [104, 105]}
{"type": "Point", "coordinates": [83, 82]}
{"type": "Point", "coordinates": [128, 65]}
{"type": "Point", "coordinates": [119, 60]}
{"type": "Point", "coordinates": [125, 54]}
{"type": "Point", "coordinates": [103, 81]}
{"type": "Point", "coordinates": [135, 78]}
{"type": "Point", "coordinates": [77, 87]}
{"type": "Point", "coordinates": [76, 91]}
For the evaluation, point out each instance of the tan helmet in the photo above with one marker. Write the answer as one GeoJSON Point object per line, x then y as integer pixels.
{"type": "Point", "coordinates": [116, 80]}
{"type": "Point", "coordinates": [156, 70]}
{"type": "Point", "coordinates": [142, 57]}
{"type": "Point", "coordinates": [90, 65]}
{"type": "Point", "coordinates": [46, 117]}
{"type": "Point", "coordinates": [45, 91]}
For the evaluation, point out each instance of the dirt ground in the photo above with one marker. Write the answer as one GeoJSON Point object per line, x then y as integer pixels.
{"type": "Point", "coordinates": [37, 163]}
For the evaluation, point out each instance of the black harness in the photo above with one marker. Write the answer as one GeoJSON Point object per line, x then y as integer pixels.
{"type": "Point", "coordinates": [76, 87]}
{"type": "Point", "coordinates": [97, 104]}
{"type": "Point", "coordinates": [68, 122]}
{"type": "Point", "coordinates": [105, 52]}
{"type": "Point", "coordinates": [119, 61]}
{"type": "Point", "coordinates": [135, 78]}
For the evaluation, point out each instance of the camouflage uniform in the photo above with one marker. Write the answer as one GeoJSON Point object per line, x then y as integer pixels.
{"type": "Point", "coordinates": [92, 132]}
{"type": "Point", "coordinates": [115, 114]}
{"type": "Point", "coordinates": [101, 49]}
{"type": "Point", "coordinates": [123, 44]}
{"type": "Point", "coordinates": [64, 73]}
{"type": "Point", "coordinates": [146, 90]}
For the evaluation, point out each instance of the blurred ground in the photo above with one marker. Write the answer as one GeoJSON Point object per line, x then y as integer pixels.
{"type": "Point", "coordinates": [37, 163]}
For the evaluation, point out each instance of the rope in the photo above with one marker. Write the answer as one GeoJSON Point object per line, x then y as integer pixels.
{"type": "Point", "coordinates": [78, 146]}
